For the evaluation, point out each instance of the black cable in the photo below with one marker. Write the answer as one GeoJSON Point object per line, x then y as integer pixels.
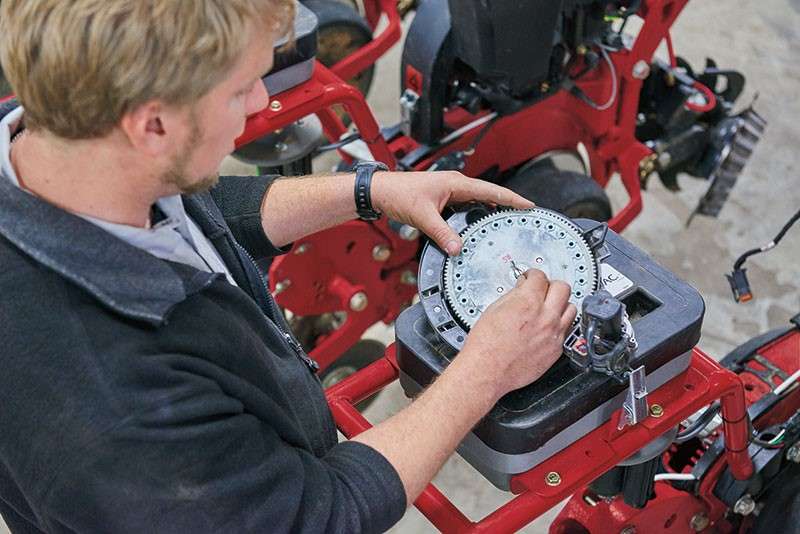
{"type": "Point", "coordinates": [698, 426]}
{"type": "Point", "coordinates": [754, 251]}
{"type": "Point", "coordinates": [340, 143]}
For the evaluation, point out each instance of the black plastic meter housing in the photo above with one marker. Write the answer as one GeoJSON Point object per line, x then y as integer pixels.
{"type": "Point", "coordinates": [529, 425]}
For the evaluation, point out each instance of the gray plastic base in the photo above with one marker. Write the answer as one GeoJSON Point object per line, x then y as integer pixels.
{"type": "Point", "coordinates": [498, 467]}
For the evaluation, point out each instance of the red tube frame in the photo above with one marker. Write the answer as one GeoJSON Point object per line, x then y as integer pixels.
{"type": "Point", "coordinates": [702, 383]}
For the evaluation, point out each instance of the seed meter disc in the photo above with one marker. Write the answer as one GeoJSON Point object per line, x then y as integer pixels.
{"type": "Point", "coordinates": [498, 248]}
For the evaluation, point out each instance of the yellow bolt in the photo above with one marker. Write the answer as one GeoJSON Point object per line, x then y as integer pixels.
{"type": "Point", "coordinates": [275, 105]}
{"type": "Point", "coordinates": [544, 87]}
{"type": "Point", "coordinates": [581, 50]}
{"type": "Point", "coordinates": [552, 479]}
{"type": "Point", "coordinates": [656, 410]}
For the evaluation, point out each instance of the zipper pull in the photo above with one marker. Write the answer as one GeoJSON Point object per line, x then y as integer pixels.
{"type": "Point", "coordinates": [310, 362]}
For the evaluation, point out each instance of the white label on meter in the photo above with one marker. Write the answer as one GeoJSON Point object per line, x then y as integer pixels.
{"type": "Point", "coordinates": [613, 281]}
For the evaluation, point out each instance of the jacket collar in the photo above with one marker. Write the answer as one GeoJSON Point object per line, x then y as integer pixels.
{"type": "Point", "coordinates": [121, 276]}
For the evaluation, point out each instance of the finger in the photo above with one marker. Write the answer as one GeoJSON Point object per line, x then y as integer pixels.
{"type": "Point", "coordinates": [534, 282]}
{"type": "Point", "coordinates": [567, 318]}
{"type": "Point", "coordinates": [557, 298]}
{"type": "Point", "coordinates": [431, 223]}
{"type": "Point", "coordinates": [471, 189]}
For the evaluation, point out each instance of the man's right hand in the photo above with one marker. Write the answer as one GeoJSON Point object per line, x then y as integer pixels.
{"type": "Point", "coordinates": [520, 336]}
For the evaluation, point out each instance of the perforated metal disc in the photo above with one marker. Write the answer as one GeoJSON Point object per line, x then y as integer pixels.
{"type": "Point", "coordinates": [498, 248]}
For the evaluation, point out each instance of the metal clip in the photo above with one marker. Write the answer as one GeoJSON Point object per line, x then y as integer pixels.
{"type": "Point", "coordinates": [634, 409]}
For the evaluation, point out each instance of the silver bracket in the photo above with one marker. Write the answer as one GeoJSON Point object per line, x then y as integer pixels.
{"type": "Point", "coordinates": [635, 408]}
{"type": "Point", "coordinates": [408, 105]}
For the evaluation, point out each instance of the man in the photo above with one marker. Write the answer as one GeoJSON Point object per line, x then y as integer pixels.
{"type": "Point", "coordinates": [148, 382]}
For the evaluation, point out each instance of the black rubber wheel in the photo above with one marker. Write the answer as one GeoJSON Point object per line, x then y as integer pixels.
{"type": "Point", "coordinates": [357, 357]}
{"type": "Point", "coordinates": [571, 193]}
{"type": "Point", "coordinates": [341, 32]}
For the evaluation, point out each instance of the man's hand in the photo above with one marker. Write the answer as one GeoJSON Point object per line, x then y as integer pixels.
{"type": "Point", "coordinates": [513, 343]}
{"type": "Point", "coordinates": [520, 336]}
{"type": "Point", "coordinates": [418, 198]}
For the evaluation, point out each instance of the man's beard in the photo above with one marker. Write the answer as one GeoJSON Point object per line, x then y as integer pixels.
{"type": "Point", "coordinates": [177, 174]}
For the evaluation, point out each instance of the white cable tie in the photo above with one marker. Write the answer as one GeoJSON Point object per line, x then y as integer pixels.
{"type": "Point", "coordinates": [688, 477]}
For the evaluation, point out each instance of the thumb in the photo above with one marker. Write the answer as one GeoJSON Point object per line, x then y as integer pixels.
{"type": "Point", "coordinates": [437, 229]}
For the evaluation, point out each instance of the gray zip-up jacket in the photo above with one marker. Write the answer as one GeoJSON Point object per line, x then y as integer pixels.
{"type": "Point", "coordinates": [143, 395]}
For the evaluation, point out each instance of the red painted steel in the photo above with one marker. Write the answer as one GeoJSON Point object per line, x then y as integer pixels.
{"type": "Point", "coordinates": [580, 463]}
{"type": "Point", "coordinates": [559, 122]}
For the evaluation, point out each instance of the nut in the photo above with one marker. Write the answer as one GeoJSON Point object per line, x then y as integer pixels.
{"type": "Point", "coordinates": [656, 410]}
{"type": "Point", "coordinates": [359, 301]}
{"type": "Point", "coordinates": [408, 278]}
{"type": "Point", "coordinates": [381, 253]}
{"type": "Point", "coordinates": [699, 522]}
{"type": "Point", "coordinates": [275, 105]}
{"type": "Point", "coordinates": [408, 233]}
{"type": "Point", "coordinates": [281, 286]}
{"type": "Point", "coordinates": [641, 70]}
{"type": "Point", "coordinates": [745, 505]}
{"type": "Point", "coordinates": [552, 479]}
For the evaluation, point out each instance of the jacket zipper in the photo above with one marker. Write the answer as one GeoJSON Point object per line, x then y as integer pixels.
{"type": "Point", "coordinates": [312, 364]}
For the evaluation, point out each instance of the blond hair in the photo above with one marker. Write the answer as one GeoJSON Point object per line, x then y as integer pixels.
{"type": "Point", "coordinates": [77, 66]}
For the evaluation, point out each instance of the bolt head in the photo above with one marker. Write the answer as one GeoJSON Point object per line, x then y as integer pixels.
{"type": "Point", "coordinates": [381, 253]}
{"type": "Point", "coordinates": [745, 505]}
{"type": "Point", "coordinates": [408, 278]}
{"type": "Point", "coordinates": [275, 105]}
{"type": "Point", "coordinates": [656, 410]}
{"type": "Point", "coordinates": [408, 233]}
{"type": "Point", "coordinates": [552, 479]}
{"type": "Point", "coordinates": [628, 530]}
{"type": "Point", "coordinates": [699, 522]}
{"type": "Point", "coordinates": [359, 301]}
{"type": "Point", "coordinates": [641, 70]}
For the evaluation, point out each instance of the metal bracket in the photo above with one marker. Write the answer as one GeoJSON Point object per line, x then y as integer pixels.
{"type": "Point", "coordinates": [635, 408]}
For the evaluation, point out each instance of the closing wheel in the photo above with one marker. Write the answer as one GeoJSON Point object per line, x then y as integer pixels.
{"type": "Point", "coordinates": [357, 357]}
{"type": "Point", "coordinates": [571, 193]}
{"type": "Point", "coordinates": [341, 32]}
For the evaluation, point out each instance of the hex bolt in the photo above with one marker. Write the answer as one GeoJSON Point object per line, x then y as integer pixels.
{"type": "Point", "coordinates": [628, 530]}
{"type": "Point", "coordinates": [275, 105]}
{"type": "Point", "coordinates": [281, 286]}
{"type": "Point", "coordinates": [656, 410]}
{"type": "Point", "coordinates": [359, 301]}
{"type": "Point", "coordinates": [745, 505]}
{"type": "Point", "coordinates": [408, 278]}
{"type": "Point", "coordinates": [381, 253]}
{"type": "Point", "coordinates": [302, 249]}
{"type": "Point", "coordinates": [699, 522]}
{"type": "Point", "coordinates": [641, 70]}
{"type": "Point", "coordinates": [408, 233]}
{"type": "Point", "coordinates": [793, 454]}
{"type": "Point", "coordinates": [552, 479]}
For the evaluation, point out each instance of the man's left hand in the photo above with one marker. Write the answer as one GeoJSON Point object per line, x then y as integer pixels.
{"type": "Point", "coordinates": [418, 198]}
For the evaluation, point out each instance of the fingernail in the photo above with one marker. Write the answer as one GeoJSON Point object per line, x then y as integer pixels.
{"type": "Point", "coordinates": [452, 247]}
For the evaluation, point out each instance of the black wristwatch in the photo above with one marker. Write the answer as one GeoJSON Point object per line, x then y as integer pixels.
{"type": "Point", "coordinates": [364, 171]}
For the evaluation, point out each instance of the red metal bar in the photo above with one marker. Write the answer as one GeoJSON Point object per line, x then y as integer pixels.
{"type": "Point", "coordinates": [369, 53]}
{"type": "Point", "coordinates": [584, 460]}
{"type": "Point", "coordinates": [322, 91]}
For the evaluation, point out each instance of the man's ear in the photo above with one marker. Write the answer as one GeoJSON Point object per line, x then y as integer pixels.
{"type": "Point", "coordinates": [148, 128]}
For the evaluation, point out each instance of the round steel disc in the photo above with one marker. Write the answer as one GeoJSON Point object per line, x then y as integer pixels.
{"type": "Point", "coordinates": [501, 246]}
